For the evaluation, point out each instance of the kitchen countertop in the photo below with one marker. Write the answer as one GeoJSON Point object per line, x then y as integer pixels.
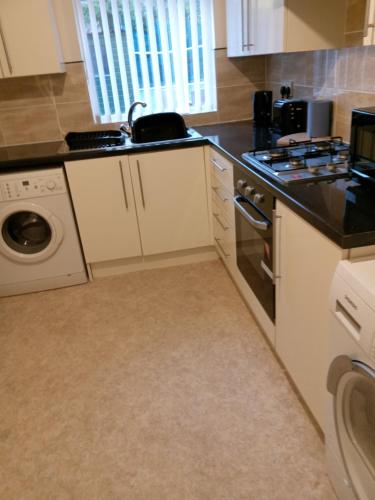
{"type": "Point", "coordinates": [342, 210]}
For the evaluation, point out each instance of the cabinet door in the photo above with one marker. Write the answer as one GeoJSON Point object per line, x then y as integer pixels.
{"type": "Point", "coordinates": [103, 201]}
{"type": "Point", "coordinates": [29, 43]}
{"type": "Point", "coordinates": [254, 27]}
{"type": "Point", "coordinates": [307, 264]}
{"type": "Point", "coordinates": [171, 198]}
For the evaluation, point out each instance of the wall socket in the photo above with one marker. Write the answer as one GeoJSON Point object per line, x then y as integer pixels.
{"type": "Point", "coordinates": [288, 83]}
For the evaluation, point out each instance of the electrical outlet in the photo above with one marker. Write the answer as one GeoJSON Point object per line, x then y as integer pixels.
{"type": "Point", "coordinates": [288, 83]}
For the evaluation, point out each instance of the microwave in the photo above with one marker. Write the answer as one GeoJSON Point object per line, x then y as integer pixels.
{"type": "Point", "coordinates": [362, 138]}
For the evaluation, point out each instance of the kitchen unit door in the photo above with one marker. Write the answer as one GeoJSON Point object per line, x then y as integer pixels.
{"type": "Point", "coordinates": [171, 196]}
{"type": "Point", "coordinates": [254, 27]}
{"type": "Point", "coordinates": [103, 201]}
{"type": "Point", "coordinates": [306, 261]}
{"type": "Point", "coordinates": [29, 40]}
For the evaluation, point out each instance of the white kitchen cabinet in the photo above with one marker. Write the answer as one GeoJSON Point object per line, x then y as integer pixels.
{"type": "Point", "coordinates": [306, 261]}
{"type": "Point", "coordinates": [104, 205]}
{"type": "Point", "coordinates": [29, 40]}
{"type": "Point", "coordinates": [171, 198]}
{"type": "Point", "coordinates": [271, 26]}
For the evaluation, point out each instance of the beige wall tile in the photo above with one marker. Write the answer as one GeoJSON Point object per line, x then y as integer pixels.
{"type": "Point", "coordinates": [25, 91]}
{"type": "Point", "coordinates": [29, 124]}
{"type": "Point", "coordinates": [2, 142]}
{"type": "Point", "coordinates": [238, 70]}
{"type": "Point", "coordinates": [72, 85]}
{"type": "Point", "coordinates": [235, 103]}
{"type": "Point", "coordinates": [201, 119]}
{"type": "Point", "coordinates": [76, 117]}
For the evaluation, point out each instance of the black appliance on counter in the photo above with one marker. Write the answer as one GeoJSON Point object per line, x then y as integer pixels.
{"type": "Point", "coordinates": [262, 108]}
{"type": "Point", "coordinates": [254, 207]}
{"type": "Point", "coordinates": [289, 116]}
{"type": "Point", "coordinates": [303, 162]}
{"type": "Point", "coordinates": [362, 143]}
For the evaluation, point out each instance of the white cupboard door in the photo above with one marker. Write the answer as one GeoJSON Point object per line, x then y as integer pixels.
{"type": "Point", "coordinates": [29, 40]}
{"type": "Point", "coordinates": [307, 264]}
{"type": "Point", "coordinates": [103, 201]}
{"type": "Point", "coordinates": [171, 198]}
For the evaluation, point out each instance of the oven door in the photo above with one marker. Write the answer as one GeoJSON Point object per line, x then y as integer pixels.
{"type": "Point", "coordinates": [254, 252]}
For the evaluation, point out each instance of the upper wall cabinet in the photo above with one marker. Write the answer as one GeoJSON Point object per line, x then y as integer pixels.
{"type": "Point", "coordinates": [29, 41]}
{"type": "Point", "coordinates": [270, 26]}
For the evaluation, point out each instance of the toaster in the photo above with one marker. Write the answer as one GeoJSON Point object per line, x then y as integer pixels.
{"type": "Point", "coordinates": [289, 116]}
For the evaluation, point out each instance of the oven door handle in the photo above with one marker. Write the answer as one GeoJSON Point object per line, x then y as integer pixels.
{"type": "Point", "coordinates": [258, 224]}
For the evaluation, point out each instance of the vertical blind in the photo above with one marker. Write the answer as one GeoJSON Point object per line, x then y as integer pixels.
{"type": "Point", "coordinates": [157, 51]}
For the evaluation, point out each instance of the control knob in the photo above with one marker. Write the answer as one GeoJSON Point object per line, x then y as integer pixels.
{"type": "Point", "coordinates": [258, 198]}
{"type": "Point", "coordinates": [50, 185]}
{"type": "Point", "coordinates": [249, 190]}
{"type": "Point", "coordinates": [241, 183]}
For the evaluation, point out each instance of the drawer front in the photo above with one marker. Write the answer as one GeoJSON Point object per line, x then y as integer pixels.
{"type": "Point", "coordinates": [224, 201]}
{"type": "Point", "coordinates": [224, 236]}
{"type": "Point", "coordinates": [221, 170]}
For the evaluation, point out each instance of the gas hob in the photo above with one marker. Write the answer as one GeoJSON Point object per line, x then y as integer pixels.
{"type": "Point", "coordinates": [303, 162]}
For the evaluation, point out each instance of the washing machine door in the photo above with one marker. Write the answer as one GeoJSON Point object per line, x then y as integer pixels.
{"type": "Point", "coordinates": [29, 233]}
{"type": "Point", "coordinates": [353, 385]}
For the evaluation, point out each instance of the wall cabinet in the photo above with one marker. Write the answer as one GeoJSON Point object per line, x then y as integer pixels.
{"type": "Point", "coordinates": [271, 26]}
{"type": "Point", "coordinates": [307, 261]}
{"type": "Point", "coordinates": [148, 204]}
{"type": "Point", "coordinates": [29, 41]}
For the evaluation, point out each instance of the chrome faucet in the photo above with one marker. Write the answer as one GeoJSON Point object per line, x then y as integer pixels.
{"type": "Point", "coordinates": [130, 115]}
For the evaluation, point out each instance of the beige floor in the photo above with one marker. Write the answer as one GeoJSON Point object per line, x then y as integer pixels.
{"type": "Point", "coordinates": [151, 386]}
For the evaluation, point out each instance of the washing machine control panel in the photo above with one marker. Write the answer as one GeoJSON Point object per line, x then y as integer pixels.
{"type": "Point", "coordinates": [31, 186]}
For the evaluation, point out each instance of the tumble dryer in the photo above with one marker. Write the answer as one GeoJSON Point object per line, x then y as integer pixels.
{"type": "Point", "coordinates": [350, 430]}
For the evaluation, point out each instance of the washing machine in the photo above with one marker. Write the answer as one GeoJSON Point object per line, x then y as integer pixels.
{"type": "Point", "coordinates": [350, 429]}
{"type": "Point", "coordinates": [39, 243]}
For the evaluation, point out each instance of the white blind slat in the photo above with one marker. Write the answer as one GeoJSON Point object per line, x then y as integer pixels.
{"type": "Point", "coordinates": [120, 53]}
{"type": "Point", "coordinates": [99, 58]}
{"type": "Point", "coordinates": [109, 54]}
{"type": "Point", "coordinates": [148, 50]}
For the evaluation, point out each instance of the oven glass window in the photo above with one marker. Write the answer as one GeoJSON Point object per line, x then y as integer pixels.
{"type": "Point", "coordinates": [254, 258]}
{"type": "Point", "coordinates": [26, 232]}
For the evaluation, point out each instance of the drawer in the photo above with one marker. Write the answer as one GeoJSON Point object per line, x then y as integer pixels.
{"type": "Point", "coordinates": [222, 170]}
{"type": "Point", "coordinates": [224, 201]}
{"type": "Point", "coordinates": [224, 236]}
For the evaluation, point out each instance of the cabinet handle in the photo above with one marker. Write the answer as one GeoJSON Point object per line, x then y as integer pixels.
{"type": "Point", "coordinates": [276, 245]}
{"type": "Point", "coordinates": [217, 165]}
{"type": "Point", "coordinates": [123, 186]}
{"type": "Point", "coordinates": [6, 50]}
{"type": "Point", "coordinates": [140, 184]}
{"type": "Point", "coordinates": [216, 190]}
{"type": "Point", "coordinates": [219, 221]}
{"type": "Point", "coordinates": [221, 248]}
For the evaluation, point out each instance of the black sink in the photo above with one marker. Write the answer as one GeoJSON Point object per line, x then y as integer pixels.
{"type": "Point", "coordinates": [159, 127]}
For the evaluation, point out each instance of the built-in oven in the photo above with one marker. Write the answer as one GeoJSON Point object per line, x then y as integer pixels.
{"type": "Point", "coordinates": [362, 143]}
{"type": "Point", "coordinates": [254, 206]}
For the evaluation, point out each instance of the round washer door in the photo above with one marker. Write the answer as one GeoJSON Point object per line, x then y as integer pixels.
{"type": "Point", "coordinates": [29, 233]}
{"type": "Point", "coordinates": [354, 406]}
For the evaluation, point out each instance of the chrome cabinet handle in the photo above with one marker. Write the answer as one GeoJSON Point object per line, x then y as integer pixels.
{"type": "Point", "coordinates": [221, 248]}
{"type": "Point", "coordinates": [140, 184]}
{"type": "Point", "coordinates": [216, 191]}
{"type": "Point", "coordinates": [217, 165]}
{"type": "Point", "coordinates": [6, 50]}
{"type": "Point", "coordinates": [276, 245]}
{"type": "Point", "coordinates": [258, 224]}
{"type": "Point", "coordinates": [219, 221]}
{"type": "Point", "coordinates": [123, 185]}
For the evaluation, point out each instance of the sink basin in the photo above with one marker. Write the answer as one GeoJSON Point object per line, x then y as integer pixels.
{"type": "Point", "coordinates": [159, 127]}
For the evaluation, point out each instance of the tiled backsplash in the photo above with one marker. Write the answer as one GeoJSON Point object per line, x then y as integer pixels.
{"type": "Point", "coordinates": [45, 108]}
{"type": "Point", "coordinates": [347, 76]}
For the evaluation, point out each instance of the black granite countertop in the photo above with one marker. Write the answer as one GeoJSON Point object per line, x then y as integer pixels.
{"type": "Point", "coordinates": [343, 210]}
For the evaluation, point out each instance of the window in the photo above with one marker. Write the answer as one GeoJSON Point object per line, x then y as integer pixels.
{"type": "Point", "coordinates": [157, 51]}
